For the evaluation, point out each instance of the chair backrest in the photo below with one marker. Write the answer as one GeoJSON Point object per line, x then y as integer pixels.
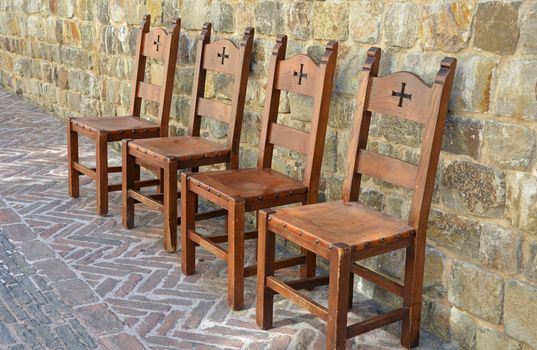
{"type": "Point", "coordinates": [156, 44]}
{"type": "Point", "coordinates": [403, 95]}
{"type": "Point", "coordinates": [225, 57]}
{"type": "Point", "coordinates": [298, 74]}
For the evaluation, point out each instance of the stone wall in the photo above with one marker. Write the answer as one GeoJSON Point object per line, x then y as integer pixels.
{"type": "Point", "coordinates": [74, 57]}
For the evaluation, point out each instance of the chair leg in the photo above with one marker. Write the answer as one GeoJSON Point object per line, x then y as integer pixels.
{"type": "Point", "coordinates": [160, 187]}
{"type": "Point", "coordinates": [72, 156]}
{"type": "Point", "coordinates": [308, 269]}
{"type": "Point", "coordinates": [351, 289]}
{"type": "Point", "coordinates": [235, 267]}
{"type": "Point", "coordinates": [338, 296]}
{"type": "Point", "coordinates": [170, 206]}
{"type": "Point", "coordinates": [102, 174]}
{"type": "Point", "coordinates": [412, 299]}
{"type": "Point", "coordinates": [266, 241]}
{"type": "Point", "coordinates": [128, 177]}
{"type": "Point", "coordinates": [188, 222]}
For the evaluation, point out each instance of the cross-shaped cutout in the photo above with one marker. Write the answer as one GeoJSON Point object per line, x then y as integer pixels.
{"type": "Point", "coordinates": [300, 74]}
{"type": "Point", "coordinates": [157, 43]}
{"type": "Point", "coordinates": [223, 55]}
{"type": "Point", "coordinates": [402, 95]}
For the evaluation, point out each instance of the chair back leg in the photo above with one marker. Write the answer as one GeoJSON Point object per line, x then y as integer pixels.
{"type": "Point", "coordinates": [412, 299]}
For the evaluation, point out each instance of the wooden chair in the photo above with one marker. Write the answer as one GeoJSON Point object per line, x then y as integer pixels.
{"type": "Point", "coordinates": [345, 231]}
{"type": "Point", "coordinates": [156, 44]}
{"type": "Point", "coordinates": [182, 152]}
{"type": "Point", "coordinates": [243, 190]}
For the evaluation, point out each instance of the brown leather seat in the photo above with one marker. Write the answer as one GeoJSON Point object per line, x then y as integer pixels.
{"type": "Point", "coordinates": [182, 147]}
{"type": "Point", "coordinates": [252, 185]}
{"type": "Point", "coordinates": [115, 124]}
{"type": "Point", "coordinates": [344, 222]}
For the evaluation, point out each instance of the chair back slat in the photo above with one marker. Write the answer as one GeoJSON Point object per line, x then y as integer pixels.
{"type": "Point", "coordinates": [214, 109]}
{"type": "Point", "coordinates": [154, 43]}
{"type": "Point", "coordinates": [148, 91]}
{"type": "Point", "coordinates": [401, 95]}
{"type": "Point", "coordinates": [221, 56]}
{"type": "Point", "coordinates": [162, 45]}
{"type": "Point", "coordinates": [298, 74]}
{"type": "Point", "coordinates": [291, 138]}
{"type": "Point", "coordinates": [389, 169]}
{"type": "Point", "coordinates": [225, 57]}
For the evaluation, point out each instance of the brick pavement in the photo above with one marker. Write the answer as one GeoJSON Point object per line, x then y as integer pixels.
{"type": "Point", "coordinates": [71, 279]}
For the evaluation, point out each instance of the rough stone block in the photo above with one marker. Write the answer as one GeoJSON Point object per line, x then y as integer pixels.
{"type": "Point", "coordinates": [447, 25]}
{"type": "Point", "coordinates": [455, 232]}
{"type": "Point", "coordinates": [516, 89]}
{"type": "Point", "coordinates": [521, 203]}
{"type": "Point", "coordinates": [473, 188]}
{"type": "Point", "coordinates": [365, 17]}
{"type": "Point", "coordinates": [483, 299]}
{"type": "Point", "coordinates": [500, 248]}
{"type": "Point", "coordinates": [508, 145]}
{"type": "Point", "coordinates": [401, 24]}
{"type": "Point", "coordinates": [268, 18]}
{"type": "Point", "coordinates": [463, 136]}
{"type": "Point", "coordinates": [496, 26]}
{"type": "Point", "coordinates": [520, 311]}
{"type": "Point", "coordinates": [298, 19]}
{"type": "Point", "coordinates": [330, 21]}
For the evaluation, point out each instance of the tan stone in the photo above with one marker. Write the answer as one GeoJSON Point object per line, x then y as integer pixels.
{"type": "Point", "coordinates": [477, 291]}
{"type": "Point", "coordinates": [365, 17]}
{"type": "Point", "coordinates": [447, 25]}
{"type": "Point", "coordinates": [521, 203]}
{"type": "Point", "coordinates": [330, 21]}
{"type": "Point", "coordinates": [520, 311]}
{"type": "Point", "coordinates": [516, 89]}
{"type": "Point", "coordinates": [401, 24]}
{"type": "Point", "coordinates": [298, 17]}
{"type": "Point", "coordinates": [496, 26]}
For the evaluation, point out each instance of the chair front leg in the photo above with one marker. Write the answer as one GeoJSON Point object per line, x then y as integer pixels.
{"type": "Point", "coordinates": [72, 156]}
{"type": "Point", "coordinates": [128, 178]}
{"type": "Point", "coordinates": [170, 206]}
{"type": "Point", "coordinates": [412, 299]}
{"type": "Point", "coordinates": [235, 268]}
{"type": "Point", "coordinates": [188, 222]}
{"type": "Point", "coordinates": [338, 296]}
{"type": "Point", "coordinates": [266, 242]}
{"type": "Point", "coordinates": [101, 168]}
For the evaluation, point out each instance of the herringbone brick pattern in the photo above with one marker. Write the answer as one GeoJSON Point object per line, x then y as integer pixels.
{"type": "Point", "coordinates": [71, 279]}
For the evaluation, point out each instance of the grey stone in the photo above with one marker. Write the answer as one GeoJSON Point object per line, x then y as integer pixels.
{"type": "Point", "coordinates": [463, 136]}
{"type": "Point", "coordinates": [298, 17]}
{"type": "Point", "coordinates": [268, 18]}
{"type": "Point", "coordinates": [54, 270]}
{"type": "Point", "coordinates": [75, 292]}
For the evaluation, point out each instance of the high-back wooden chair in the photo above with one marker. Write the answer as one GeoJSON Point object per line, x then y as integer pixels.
{"type": "Point", "coordinates": [168, 154]}
{"type": "Point", "coordinates": [157, 44]}
{"type": "Point", "coordinates": [243, 190]}
{"type": "Point", "coordinates": [346, 231]}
